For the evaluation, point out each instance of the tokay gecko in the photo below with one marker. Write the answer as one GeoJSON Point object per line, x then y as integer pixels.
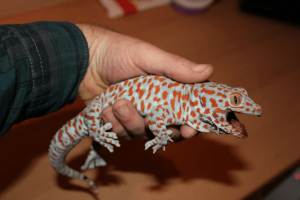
{"type": "Point", "coordinates": [206, 107]}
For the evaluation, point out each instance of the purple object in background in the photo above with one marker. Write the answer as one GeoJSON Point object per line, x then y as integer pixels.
{"type": "Point", "coordinates": [191, 7]}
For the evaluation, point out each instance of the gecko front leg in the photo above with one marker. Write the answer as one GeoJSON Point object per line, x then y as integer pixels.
{"type": "Point", "coordinates": [96, 130]}
{"type": "Point", "coordinates": [157, 125]}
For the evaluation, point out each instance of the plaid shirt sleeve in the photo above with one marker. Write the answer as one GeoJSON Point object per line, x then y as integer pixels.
{"type": "Point", "coordinates": [41, 66]}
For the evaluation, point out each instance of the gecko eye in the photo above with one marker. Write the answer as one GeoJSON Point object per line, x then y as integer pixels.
{"type": "Point", "coordinates": [236, 99]}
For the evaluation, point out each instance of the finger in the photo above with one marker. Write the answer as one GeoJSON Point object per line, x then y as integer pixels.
{"type": "Point", "coordinates": [108, 116]}
{"type": "Point", "coordinates": [156, 61]}
{"type": "Point", "coordinates": [176, 136]}
{"type": "Point", "coordinates": [129, 118]}
{"type": "Point", "coordinates": [187, 131]}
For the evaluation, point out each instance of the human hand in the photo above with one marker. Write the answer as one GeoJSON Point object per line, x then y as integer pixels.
{"type": "Point", "coordinates": [115, 57]}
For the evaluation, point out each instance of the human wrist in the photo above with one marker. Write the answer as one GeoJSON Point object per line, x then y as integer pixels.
{"type": "Point", "coordinates": [93, 83]}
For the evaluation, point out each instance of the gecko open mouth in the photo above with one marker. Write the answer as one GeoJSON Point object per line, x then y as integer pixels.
{"type": "Point", "coordinates": [234, 121]}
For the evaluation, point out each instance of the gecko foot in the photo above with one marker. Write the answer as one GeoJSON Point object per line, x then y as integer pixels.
{"type": "Point", "coordinates": [93, 160]}
{"type": "Point", "coordinates": [159, 142]}
{"type": "Point", "coordinates": [106, 139]}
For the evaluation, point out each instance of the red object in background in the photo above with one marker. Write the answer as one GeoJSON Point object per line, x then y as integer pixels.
{"type": "Point", "coordinates": [297, 176]}
{"type": "Point", "coordinates": [127, 6]}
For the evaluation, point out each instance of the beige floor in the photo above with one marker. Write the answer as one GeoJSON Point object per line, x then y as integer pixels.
{"type": "Point", "coordinates": [256, 53]}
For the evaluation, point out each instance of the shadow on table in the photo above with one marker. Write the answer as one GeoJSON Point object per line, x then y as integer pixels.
{"type": "Point", "coordinates": [197, 158]}
{"type": "Point", "coordinates": [26, 142]}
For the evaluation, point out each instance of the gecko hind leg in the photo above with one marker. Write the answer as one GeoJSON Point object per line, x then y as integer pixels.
{"type": "Point", "coordinates": [94, 158]}
{"type": "Point", "coordinates": [157, 125]}
{"type": "Point", "coordinates": [159, 143]}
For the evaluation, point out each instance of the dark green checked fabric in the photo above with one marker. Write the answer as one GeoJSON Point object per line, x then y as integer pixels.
{"type": "Point", "coordinates": [41, 66]}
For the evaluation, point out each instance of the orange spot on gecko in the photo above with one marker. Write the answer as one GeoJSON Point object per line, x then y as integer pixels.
{"type": "Point", "coordinates": [132, 100]}
{"type": "Point", "coordinates": [157, 89]}
{"type": "Point", "coordinates": [120, 89]}
{"type": "Point", "coordinates": [90, 118]}
{"type": "Point", "coordinates": [122, 93]}
{"type": "Point", "coordinates": [194, 103]}
{"type": "Point", "coordinates": [74, 125]}
{"type": "Point", "coordinates": [173, 104]}
{"type": "Point", "coordinates": [151, 123]}
{"type": "Point", "coordinates": [149, 106]}
{"type": "Point", "coordinates": [215, 115]}
{"type": "Point", "coordinates": [210, 92]}
{"type": "Point", "coordinates": [185, 97]}
{"type": "Point", "coordinates": [149, 91]}
{"type": "Point", "coordinates": [227, 104]}
{"type": "Point", "coordinates": [221, 95]}
{"type": "Point", "coordinates": [193, 114]}
{"type": "Point", "coordinates": [136, 80]}
{"type": "Point", "coordinates": [179, 114]}
{"type": "Point", "coordinates": [165, 95]}
{"type": "Point", "coordinates": [173, 85]}
{"type": "Point", "coordinates": [183, 105]}
{"type": "Point", "coordinates": [213, 102]}
{"type": "Point", "coordinates": [142, 106]}
{"type": "Point", "coordinates": [249, 104]}
{"type": "Point", "coordinates": [69, 135]}
{"type": "Point", "coordinates": [196, 93]}
{"type": "Point", "coordinates": [141, 93]}
{"type": "Point", "coordinates": [111, 88]}
{"type": "Point", "coordinates": [60, 133]}
{"type": "Point", "coordinates": [156, 99]}
{"type": "Point", "coordinates": [204, 101]}
{"type": "Point", "coordinates": [138, 87]}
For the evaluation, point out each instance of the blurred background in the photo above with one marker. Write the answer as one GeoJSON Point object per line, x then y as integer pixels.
{"type": "Point", "coordinates": [254, 44]}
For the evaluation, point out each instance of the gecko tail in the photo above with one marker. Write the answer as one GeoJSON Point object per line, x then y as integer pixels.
{"type": "Point", "coordinates": [91, 183]}
{"type": "Point", "coordinates": [59, 165]}
{"type": "Point", "coordinates": [69, 172]}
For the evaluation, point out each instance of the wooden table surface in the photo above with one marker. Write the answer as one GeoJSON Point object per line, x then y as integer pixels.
{"type": "Point", "coordinates": [256, 53]}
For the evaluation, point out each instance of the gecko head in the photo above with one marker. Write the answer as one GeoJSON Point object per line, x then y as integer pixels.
{"type": "Point", "coordinates": [222, 103]}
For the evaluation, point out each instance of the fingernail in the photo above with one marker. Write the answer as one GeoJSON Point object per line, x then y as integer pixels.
{"type": "Point", "coordinates": [123, 111]}
{"type": "Point", "coordinates": [201, 68]}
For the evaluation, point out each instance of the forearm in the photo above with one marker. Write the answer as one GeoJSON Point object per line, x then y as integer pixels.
{"type": "Point", "coordinates": [41, 66]}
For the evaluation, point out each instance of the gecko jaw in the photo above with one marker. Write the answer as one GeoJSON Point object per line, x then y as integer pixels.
{"type": "Point", "coordinates": [234, 121]}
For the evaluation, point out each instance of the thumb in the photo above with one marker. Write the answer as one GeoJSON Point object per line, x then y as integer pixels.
{"type": "Point", "coordinates": [156, 61]}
